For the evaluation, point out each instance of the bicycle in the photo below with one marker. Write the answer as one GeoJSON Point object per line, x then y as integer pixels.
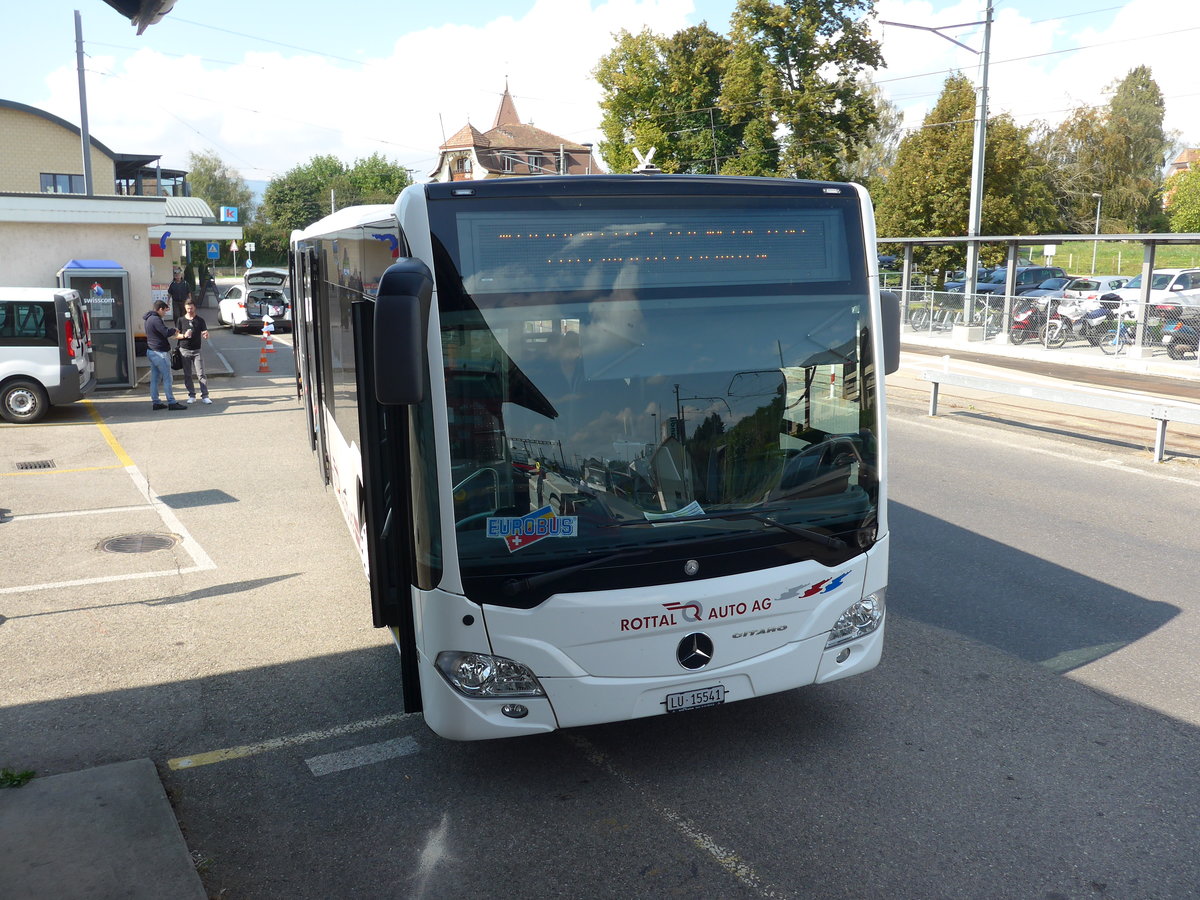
{"type": "Point", "coordinates": [1117, 339]}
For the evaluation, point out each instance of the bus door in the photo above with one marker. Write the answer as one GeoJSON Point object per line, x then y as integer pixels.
{"type": "Point", "coordinates": [308, 280]}
{"type": "Point", "coordinates": [388, 505]}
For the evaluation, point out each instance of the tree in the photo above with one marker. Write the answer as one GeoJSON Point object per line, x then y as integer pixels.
{"type": "Point", "coordinates": [662, 92]}
{"type": "Point", "coordinates": [796, 66]}
{"type": "Point", "coordinates": [302, 195]}
{"type": "Point", "coordinates": [927, 193]}
{"type": "Point", "coordinates": [1136, 114]}
{"type": "Point", "coordinates": [780, 96]}
{"type": "Point", "coordinates": [873, 158]}
{"type": "Point", "coordinates": [1183, 206]}
{"type": "Point", "coordinates": [218, 184]}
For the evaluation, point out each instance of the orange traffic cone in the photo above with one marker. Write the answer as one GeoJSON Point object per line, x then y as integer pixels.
{"type": "Point", "coordinates": [262, 360]}
{"type": "Point", "coordinates": [270, 348]}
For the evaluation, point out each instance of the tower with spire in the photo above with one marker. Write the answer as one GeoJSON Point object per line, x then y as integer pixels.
{"type": "Point", "coordinates": [510, 147]}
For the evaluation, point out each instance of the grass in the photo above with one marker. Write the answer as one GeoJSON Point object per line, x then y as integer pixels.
{"type": "Point", "coordinates": [1120, 258]}
{"type": "Point", "coordinates": [11, 779]}
{"type": "Point", "coordinates": [1112, 258]}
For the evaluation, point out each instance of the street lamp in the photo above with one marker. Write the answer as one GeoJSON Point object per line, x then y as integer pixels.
{"type": "Point", "coordinates": [1099, 200]}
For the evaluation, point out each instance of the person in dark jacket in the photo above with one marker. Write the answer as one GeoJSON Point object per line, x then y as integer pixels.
{"type": "Point", "coordinates": [158, 351]}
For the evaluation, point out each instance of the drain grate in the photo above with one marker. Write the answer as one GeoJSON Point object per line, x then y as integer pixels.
{"type": "Point", "coordinates": [35, 464]}
{"type": "Point", "coordinates": [139, 543]}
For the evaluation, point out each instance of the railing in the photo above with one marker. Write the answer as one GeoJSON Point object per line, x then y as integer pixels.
{"type": "Point", "coordinates": [1160, 411]}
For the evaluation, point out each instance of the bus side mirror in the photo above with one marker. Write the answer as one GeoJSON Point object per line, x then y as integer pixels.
{"type": "Point", "coordinates": [889, 307]}
{"type": "Point", "coordinates": [398, 332]}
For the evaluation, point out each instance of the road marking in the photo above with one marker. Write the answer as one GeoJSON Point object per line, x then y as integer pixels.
{"type": "Point", "coordinates": [1074, 659]}
{"type": "Point", "coordinates": [113, 443]}
{"type": "Point", "coordinates": [218, 756]}
{"type": "Point", "coordinates": [365, 755]}
{"type": "Point", "coordinates": [26, 517]}
{"type": "Point", "coordinates": [57, 471]}
{"type": "Point", "coordinates": [99, 579]}
{"type": "Point", "coordinates": [725, 858]}
{"type": "Point", "coordinates": [1057, 454]}
{"type": "Point", "coordinates": [195, 551]}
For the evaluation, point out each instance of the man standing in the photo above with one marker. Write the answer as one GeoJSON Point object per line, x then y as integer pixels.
{"type": "Point", "coordinates": [191, 348]}
{"type": "Point", "coordinates": [158, 351]}
{"type": "Point", "coordinates": [181, 293]}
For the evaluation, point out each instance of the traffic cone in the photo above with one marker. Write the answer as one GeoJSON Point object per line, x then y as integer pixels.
{"type": "Point", "coordinates": [262, 360]}
{"type": "Point", "coordinates": [270, 348]}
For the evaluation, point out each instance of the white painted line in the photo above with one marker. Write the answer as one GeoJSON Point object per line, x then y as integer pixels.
{"type": "Point", "coordinates": [199, 557]}
{"type": "Point", "coordinates": [216, 756]}
{"type": "Point", "coordinates": [365, 755]}
{"type": "Point", "coordinates": [722, 856]}
{"type": "Point", "coordinates": [100, 579]}
{"type": "Point", "coordinates": [26, 517]}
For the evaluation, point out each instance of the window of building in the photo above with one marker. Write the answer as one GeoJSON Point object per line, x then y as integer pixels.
{"type": "Point", "coordinates": [53, 183]}
{"type": "Point", "coordinates": [537, 164]}
{"type": "Point", "coordinates": [462, 165]}
{"type": "Point", "coordinates": [508, 164]}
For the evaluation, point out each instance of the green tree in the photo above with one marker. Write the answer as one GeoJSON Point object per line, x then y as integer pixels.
{"type": "Point", "coordinates": [306, 193]}
{"type": "Point", "coordinates": [874, 156]}
{"type": "Point", "coordinates": [662, 92]}
{"type": "Point", "coordinates": [1136, 114]}
{"type": "Point", "coordinates": [218, 184]}
{"type": "Point", "coordinates": [1183, 206]}
{"type": "Point", "coordinates": [797, 65]}
{"type": "Point", "coordinates": [927, 193]}
{"type": "Point", "coordinates": [780, 96]}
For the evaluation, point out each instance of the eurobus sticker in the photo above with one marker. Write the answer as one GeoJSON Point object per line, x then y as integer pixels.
{"type": "Point", "coordinates": [521, 531]}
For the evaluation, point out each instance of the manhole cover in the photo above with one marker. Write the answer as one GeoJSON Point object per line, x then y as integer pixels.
{"type": "Point", "coordinates": [35, 464]}
{"type": "Point", "coordinates": [138, 543]}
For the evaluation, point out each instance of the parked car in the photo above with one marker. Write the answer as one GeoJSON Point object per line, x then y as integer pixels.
{"type": "Point", "coordinates": [45, 351]}
{"type": "Point", "coordinates": [1028, 279]}
{"type": "Point", "coordinates": [1054, 288]}
{"type": "Point", "coordinates": [1093, 287]}
{"type": "Point", "coordinates": [1168, 287]}
{"type": "Point", "coordinates": [957, 279]}
{"type": "Point", "coordinates": [888, 261]}
{"type": "Point", "coordinates": [262, 292]}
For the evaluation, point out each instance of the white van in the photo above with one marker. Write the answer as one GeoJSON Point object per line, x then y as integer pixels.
{"type": "Point", "coordinates": [45, 351]}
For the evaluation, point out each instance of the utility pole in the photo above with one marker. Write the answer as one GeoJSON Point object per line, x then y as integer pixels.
{"type": "Point", "coordinates": [85, 135]}
{"type": "Point", "coordinates": [975, 211]}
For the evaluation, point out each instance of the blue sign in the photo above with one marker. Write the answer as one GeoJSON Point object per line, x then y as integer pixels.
{"type": "Point", "coordinates": [214, 250]}
{"type": "Point", "coordinates": [229, 214]}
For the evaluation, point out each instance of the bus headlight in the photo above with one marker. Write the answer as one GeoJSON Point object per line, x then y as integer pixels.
{"type": "Point", "coordinates": [858, 621]}
{"type": "Point", "coordinates": [481, 675]}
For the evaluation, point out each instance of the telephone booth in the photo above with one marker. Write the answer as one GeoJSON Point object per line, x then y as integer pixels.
{"type": "Point", "coordinates": [103, 286]}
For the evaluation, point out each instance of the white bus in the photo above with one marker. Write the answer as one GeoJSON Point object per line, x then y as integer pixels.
{"type": "Point", "coordinates": [611, 446]}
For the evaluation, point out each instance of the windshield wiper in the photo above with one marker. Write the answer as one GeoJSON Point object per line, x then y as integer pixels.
{"type": "Point", "coordinates": [515, 586]}
{"type": "Point", "coordinates": [824, 540]}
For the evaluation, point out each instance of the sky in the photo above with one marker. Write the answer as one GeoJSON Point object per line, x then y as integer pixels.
{"type": "Point", "coordinates": [269, 84]}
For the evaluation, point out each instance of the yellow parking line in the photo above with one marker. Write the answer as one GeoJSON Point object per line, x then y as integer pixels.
{"type": "Point", "coordinates": [216, 756]}
{"type": "Point", "coordinates": [108, 435]}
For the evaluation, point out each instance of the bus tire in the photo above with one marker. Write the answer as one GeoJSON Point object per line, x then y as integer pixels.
{"type": "Point", "coordinates": [23, 401]}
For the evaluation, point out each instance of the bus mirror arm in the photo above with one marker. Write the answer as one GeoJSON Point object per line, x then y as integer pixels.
{"type": "Point", "coordinates": [889, 307]}
{"type": "Point", "coordinates": [401, 310]}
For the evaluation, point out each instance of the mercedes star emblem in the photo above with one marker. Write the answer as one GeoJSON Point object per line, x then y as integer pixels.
{"type": "Point", "coordinates": [695, 651]}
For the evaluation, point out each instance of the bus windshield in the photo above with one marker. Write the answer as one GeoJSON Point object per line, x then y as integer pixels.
{"type": "Point", "coordinates": [633, 380]}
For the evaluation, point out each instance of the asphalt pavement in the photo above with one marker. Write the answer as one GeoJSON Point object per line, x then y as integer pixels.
{"type": "Point", "coordinates": [110, 831]}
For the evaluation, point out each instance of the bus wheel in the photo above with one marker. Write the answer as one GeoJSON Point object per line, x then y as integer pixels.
{"type": "Point", "coordinates": [23, 401]}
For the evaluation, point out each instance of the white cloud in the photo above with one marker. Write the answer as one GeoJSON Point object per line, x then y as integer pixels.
{"type": "Point", "coordinates": [276, 109]}
{"type": "Point", "coordinates": [1030, 81]}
